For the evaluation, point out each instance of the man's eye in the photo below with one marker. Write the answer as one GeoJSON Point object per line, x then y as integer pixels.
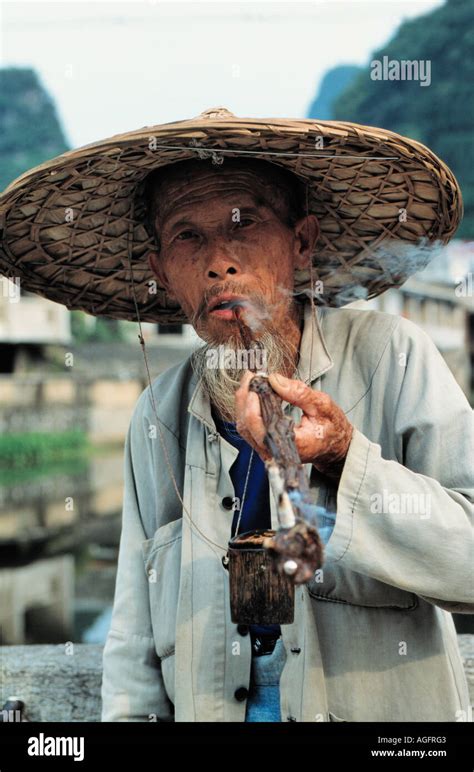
{"type": "Point", "coordinates": [245, 221]}
{"type": "Point", "coordinates": [185, 234]}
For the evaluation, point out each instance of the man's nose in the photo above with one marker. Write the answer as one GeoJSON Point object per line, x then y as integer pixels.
{"type": "Point", "coordinates": [221, 265]}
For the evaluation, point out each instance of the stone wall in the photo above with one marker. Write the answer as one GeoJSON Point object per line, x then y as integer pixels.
{"type": "Point", "coordinates": [102, 407]}
{"type": "Point", "coordinates": [63, 682]}
{"type": "Point", "coordinates": [95, 389]}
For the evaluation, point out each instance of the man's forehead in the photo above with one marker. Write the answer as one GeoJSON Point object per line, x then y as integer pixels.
{"type": "Point", "coordinates": [216, 205]}
{"type": "Point", "coordinates": [204, 188]}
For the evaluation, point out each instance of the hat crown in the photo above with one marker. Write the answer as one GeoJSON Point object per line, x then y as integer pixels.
{"type": "Point", "coordinates": [216, 112]}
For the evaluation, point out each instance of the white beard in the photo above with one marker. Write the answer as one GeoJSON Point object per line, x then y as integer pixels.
{"type": "Point", "coordinates": [221, 382]}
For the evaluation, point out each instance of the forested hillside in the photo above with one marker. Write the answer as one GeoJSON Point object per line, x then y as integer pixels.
{"type": "Point", "coordinates": [30, 131]}
{"type": "Point", "coordinates": [440, 115]}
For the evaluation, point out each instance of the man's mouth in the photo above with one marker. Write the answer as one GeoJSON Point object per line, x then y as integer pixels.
{"type": "Point", "coordinates": [225, 307]}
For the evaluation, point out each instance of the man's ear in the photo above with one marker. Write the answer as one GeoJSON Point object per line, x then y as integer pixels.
{"type": "Point", "coordinates": [306, 232]}
{"type": "Point", "coordinates": [156, 267]}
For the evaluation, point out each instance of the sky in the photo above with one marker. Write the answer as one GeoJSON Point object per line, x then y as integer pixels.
{"type": "Point", "coordinates": [113, 67]}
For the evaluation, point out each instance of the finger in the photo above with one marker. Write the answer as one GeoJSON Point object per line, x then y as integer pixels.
{"type": "Point", "coordinates": [307, 444]}
{"type": "Point", "coordinates": [244, 383]}
{"type": "Point", "coordinates": [296, 393]}
{"type": "Point", "coordinates": [252, 419]}
{"type": "Point", "coordinates": [242, 392]}
{"type": "Point", "coordinates": [246, 378]}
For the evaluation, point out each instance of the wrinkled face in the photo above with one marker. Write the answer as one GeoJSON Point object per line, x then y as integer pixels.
{"type": "Point", "coordinates": [223, 238]}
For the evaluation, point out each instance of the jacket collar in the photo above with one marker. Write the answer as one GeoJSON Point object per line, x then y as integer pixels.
{"type": "Point", "coordinates": [314, 361]}
{"type": "Point", "coordinates": [315, 358]}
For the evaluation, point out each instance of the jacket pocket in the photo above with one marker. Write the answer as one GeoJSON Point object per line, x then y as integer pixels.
{"type": "Point", "coordinates": [340, 585]}
{"type": "Point", "coordinates": [162, 562]}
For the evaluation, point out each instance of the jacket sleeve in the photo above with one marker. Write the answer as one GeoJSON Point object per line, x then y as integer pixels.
{"type": "Point", "coordinates": [132, 681]}
{"type": "Point", "coordinates": [408, 522]}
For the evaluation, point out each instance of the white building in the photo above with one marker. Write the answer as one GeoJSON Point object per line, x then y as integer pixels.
{"type": "Point", "coordinates": [28, 322]}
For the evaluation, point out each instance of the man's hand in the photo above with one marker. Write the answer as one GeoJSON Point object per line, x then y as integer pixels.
{"type": "Point", "coordinates": [322, 437]}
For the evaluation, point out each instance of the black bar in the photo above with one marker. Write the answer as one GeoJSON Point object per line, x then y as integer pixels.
{"type": "Point", "coordinates": [141, 743]}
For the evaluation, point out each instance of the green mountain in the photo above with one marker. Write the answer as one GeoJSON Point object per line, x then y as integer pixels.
{"type": "Point", "coordinates": [334, 82]}
{"type": "Point", "coordinates": [441, 114]}
{"type": "Point", "coordinates": [30, 132]}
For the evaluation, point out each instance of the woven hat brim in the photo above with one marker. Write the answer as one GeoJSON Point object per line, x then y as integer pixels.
{"type": "Point", "coordinates": [73, 229]}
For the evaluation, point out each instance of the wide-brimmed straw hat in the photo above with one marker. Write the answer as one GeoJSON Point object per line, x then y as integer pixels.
{"type": "Point", "coordinates": [73, 228]}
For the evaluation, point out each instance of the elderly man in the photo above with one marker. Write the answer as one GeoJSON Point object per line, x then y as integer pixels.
{"type": "Point", "coordinates": [382, 428]}
{"type": "Point", "coordinates": [373, 639]}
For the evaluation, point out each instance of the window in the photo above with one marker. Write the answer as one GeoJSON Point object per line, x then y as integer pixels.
{"type": "Point", "coordinates": [167, 329]}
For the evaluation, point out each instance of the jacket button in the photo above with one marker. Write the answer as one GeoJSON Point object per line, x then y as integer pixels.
{"type": "Point", "coordinates": [243, 629]}
{"type": "Point", "coordinates": [296, 650]}
{"type": "Point", "coordinates": [241, 693]}
{"type": "Point", "coordinates": [227, 502]}
{"type": "Point", "coordinates": [291, 718]}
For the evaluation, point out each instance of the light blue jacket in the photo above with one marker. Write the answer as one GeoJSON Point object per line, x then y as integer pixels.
{"type": "Point", "coordinates": [373, 638]}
